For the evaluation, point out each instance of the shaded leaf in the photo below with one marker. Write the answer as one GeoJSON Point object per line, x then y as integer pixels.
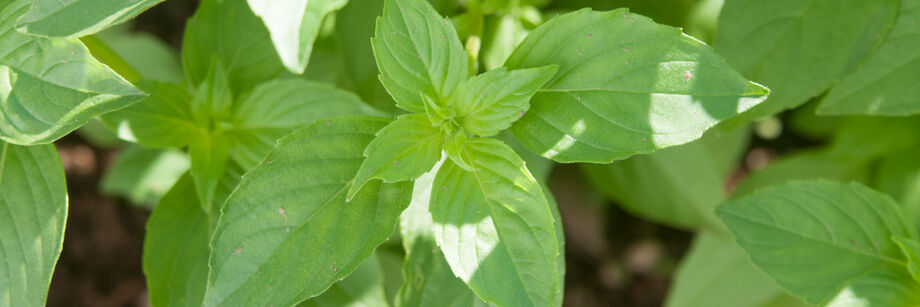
{"type": "Point", "coordinates": [363, 288]}
{"type": "Point", "coordinates": [163, 119]}
{"type": "Point", "coordinates": [911, 250]}
{"type": "Point", "coordinates": [143, 175]}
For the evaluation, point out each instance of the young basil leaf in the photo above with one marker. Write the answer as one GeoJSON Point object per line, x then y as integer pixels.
{"type": "Point", "coordinates": [76, 18]}
{"type": "Point", "coordinates": [364, 287]}
{"type": "Point", "coordinates": [34, 202]}
{"type": "Point", "coordinates": [792, 230]}
{"type": "Point", "coordinates": [638, 184]}
{"type": "Point", "coordinates": [495, 227]}
{"type": "Point", "coordinates": [911, 250]}
{"type": "Point", "coordinates": [163, 119]}
{"type": "Point", "coordinates": [799, 48]}
{"type": "Point", "coordinates": [717, 272]}
{"type": "Point", "coordinates": [49, 87]}
{"type": "Point", "coordinates": [884, 85]}
{"type": "Point", "coordinates": [209, 154]}
{"type": "Point", "coordinates": [212, 102]}
{"type": "Point", "coordinates": [488, 103]}
{"type": "Point", "coordinates": [428, 278]}
{"type": "Point", "coordinates": [417, 50]}
{"type": "Point", "coordinates": [625, 86]}
{"type": "Point", "coordinates": [228, 30]}
{"type": "Point", "coordinates": [293, 25]}
{"type": "Point", "coordinates": [288, 219]}
{"type": "Point", "coordinates": [176, 248]}
{"type": "Point", "coordinates": [403, 150]}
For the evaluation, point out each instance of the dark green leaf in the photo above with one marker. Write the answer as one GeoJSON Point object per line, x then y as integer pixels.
{"type": "Point", "coordinates": [33, 202]}
{"type": "Point", "coordinates": [286, 233]}
{"type": "Point", "coordinates": [625, 86]}
{"type": "Point", "coordinates": [163, 119]}
{"type": "Point", "coordinates": [799, 48]}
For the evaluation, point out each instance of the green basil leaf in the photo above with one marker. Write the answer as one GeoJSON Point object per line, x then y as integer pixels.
{"type": "Point", "coordinates": [887, 286]}
{"type": "Point", "coordinates": [213, 99]}
{"type": "Point", "coordinates": [799, 48]}
{"type": "Point", "coordinates": [911, 250]}
{"type": "Point", "coordinates": [636, 183]}
{"type": "Point", "coordinates": [294, 25]}
{"type": "Point", "coordinates": [354, 27]}
{"type": "Point", "coordinates": [364, 287]}
{"type": "Point", "coordinates": [143, 175]}
{"type": "Point", "coordinates": [500, 35]}
{"type": "Point", "coordinates": [898, 175]}
{"type": "Point", "coordinates": [717, 272]}
{"type": "Point", "coordinates": [163, 119]}
{"type": "Point", "coordinates": [151, 57]}
{"type": "Point", "coordinates": [884, 84]}
{"type": "Point", "coordinates": [228, 30]}
{"type": "Point", "coordinates": [804, 165]}
{"type": "Point", "coordinates": [428, 278]}
{"type": "Point", "coordinates": [176, 248]}
{"type": "Point", "coordinates": [403, 150]}
{"type": "Point", "coordinates": [488, 103]}
{"type": "Point", "coordinates": [417, 50]}
{"type": "Point", "coordinates": [496, 228]}
{"type": "Point", "coordinates": [76, 18]}
{"type": "Point", "coordinates": [49, 87]}
{"type": "Point", "coordinates": [209, 156]}
{"type": "Point", "coordinates": [288, 219]}
{"type": "Point", "coordinates": [34, 202]}
{"type": "Point", "coordinates": [276, 108]}
{"type": "Point", "coordinates": [792, 230]}
{"type": "Point", "coordinates": [625, 86]}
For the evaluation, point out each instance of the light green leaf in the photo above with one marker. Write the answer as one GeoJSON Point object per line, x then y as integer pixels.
{"type": "Point", "coordinates": [417, 50]}
{"type": "Point", "coordinates": [75, 18]}
{"type": "Point", "coordinates": [799, 48]}
{"type": "Point", "coordinates": [276, 108]}
{"type": "Point", "coordinates": [228, 30]}
{"type": "Point", "coordinates": [625, 86]}
{"type": "Point", "coordinates": [717, 272]}
{"type": "Point", "coordinates": [33, 202]}
{"type": "Point", "coordinates": [884, 85]}
{"type": "Point", "coordinates": [213, 99]}
{"type": "Point", "coordinates": [659, 187]}
{"type": "Point", "coordinates": [428, 278]}
{"type": "Point", "coordinates": [209, 156]}
{"type": "Point", "coordinates": [151, 57]}
{"type": "Point", "coordinates": [363, 288]}
{"type": "Point", "coordinates": [887, 286]}
{"type": "Point", "coordinates": [288, 219]}
{"type": "Point", "coordinates": [793, 231]}
{"type": "Point", "coordinates": [176, 248]}
{"type": "Point", "coordinates": [49, 87]}
{"type": "Point", "coordinates": [293, 25]}
{"type": "Point", "coordinates": [163, 119]}
{"type": "Point", "coordinates": [403, 150]}
{"type": "Point", "coordinates": [495, 227]}
{"type": "Point", "coordinates": [488, 103]}
{"type": "Point", "coordinates": [911, 250]}
{"type": "Point", "coordinates": [143, 175]}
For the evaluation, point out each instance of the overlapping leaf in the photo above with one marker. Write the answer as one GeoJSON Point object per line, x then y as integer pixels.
{"type": "Point", "coordinates": [293, 25]}
{"type": "Point", "coordinates": [625, 86]}
{"type": "Point", "coordinates": [75, 18]}
{"type": "Point", "coordinates": [286, 233]}
{"type": "Point", "coordinates": [488, 103]}
{"type": "Point", "coordinates": [49, 87]}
